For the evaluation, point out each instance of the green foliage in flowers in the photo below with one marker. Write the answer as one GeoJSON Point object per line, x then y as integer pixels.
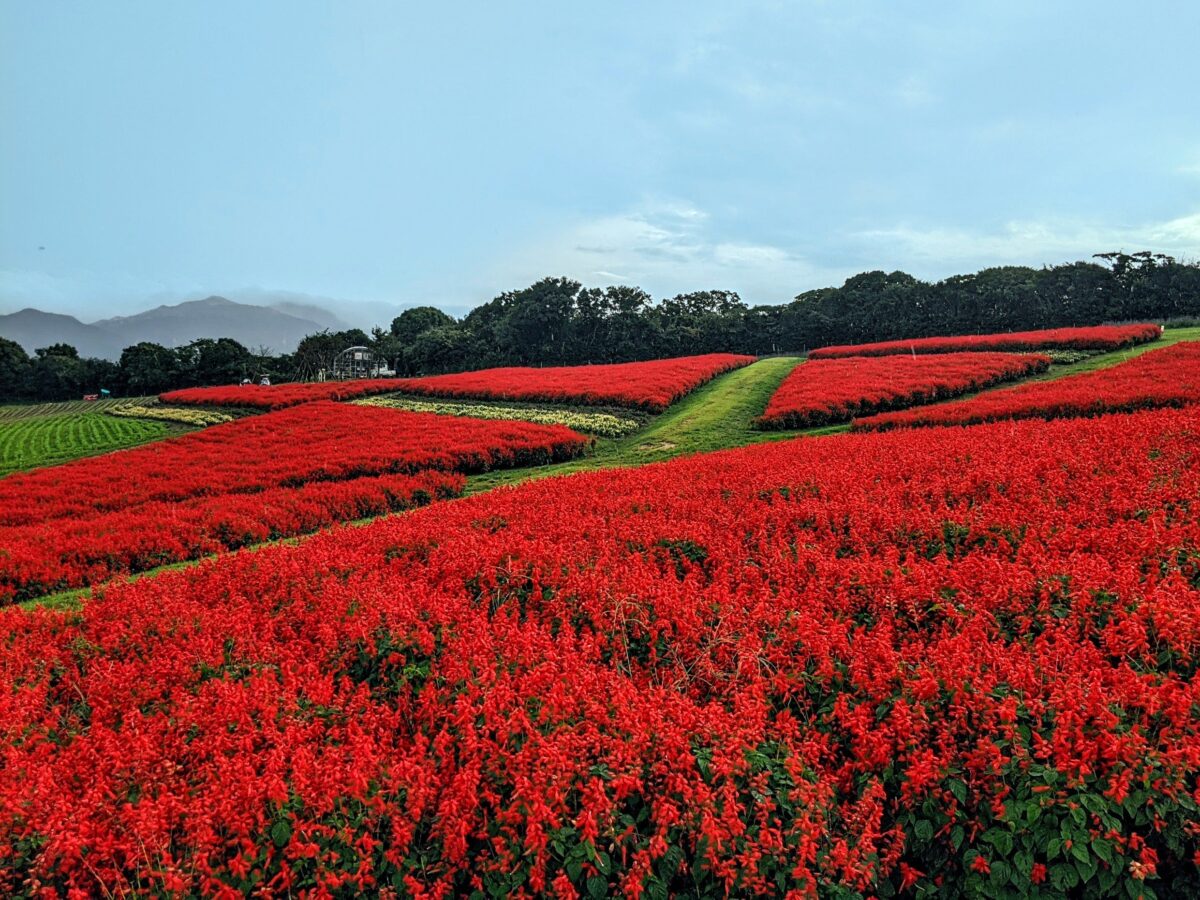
{"type": "Point", "coordinates": [1068, 357]}
{"type": "Point", "coordinates": [601, 423]}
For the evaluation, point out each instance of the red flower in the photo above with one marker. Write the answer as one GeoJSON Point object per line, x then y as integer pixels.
{"type": "Point", "coordinates": [1099, 337]}
{"type": "Point", "coordinates": [652, 385]}
{"type": "Point", "coordinates": [1167, 377]}
{"type": "Point", "coordinates": [834, 390]}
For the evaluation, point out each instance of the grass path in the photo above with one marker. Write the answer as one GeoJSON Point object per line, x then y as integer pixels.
{"type": "Point", "coordinates": [718, 416]}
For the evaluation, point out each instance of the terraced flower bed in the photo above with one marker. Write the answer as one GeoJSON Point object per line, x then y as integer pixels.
{"type": "Point", "coordinates": [831, 391]}
{"type": "Point", "coordinates": [273, 475]}
{"type": "Point", "coordinates": [651, 386]}
{"type": "Point", "coordinates": [1099, 337]}
{"type": "Point", "coordinates": [601, 423]}
{"type": "Point", "coordinates": [867, 665]}
{"type": "Point", "coordinates": [1166, 377]}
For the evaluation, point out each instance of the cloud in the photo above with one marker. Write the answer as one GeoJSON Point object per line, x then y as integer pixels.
{"type": "Point", "coordinates": [79, 292]}
{"type": "Point", "coordinates": [667, 248]}
{"type": "Point", "coordinates": [913, 92]}
{"type": "Point", "coordinates": [938, 251]}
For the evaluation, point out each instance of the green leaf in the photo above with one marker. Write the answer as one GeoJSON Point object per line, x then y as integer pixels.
{"type": "Point", "coordinates": [1023, 861]}
{"type": "Point", "coordinates": [923, 830]}
{"type": "Point", "coordinates": [959, 790]}
{"type": "Point", "coordinates": [1108, 880]}
{"type": "Point", "coordinates": [1000, 872]}
{"type": "Point", "coordinates": [1086, 868]}
{"type": "Point", "coordinates": [597, 887]}
{"type": "Point", "coordinates": [281, 832]}
{"type": "Point", "coordinates": [1000, 839]}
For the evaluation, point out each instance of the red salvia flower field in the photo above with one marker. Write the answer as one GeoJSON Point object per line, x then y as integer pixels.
{"type": "Point", "coordinates": [823, 392]}
{"type": "Point", "coordinates": [278, 396]}
{"type": "Point", "coordinates": [1157, 378]}
{"type": "Point", "coordinates": [276, 475]}
{"type": "Point", "coordinates": [652, 385]}
{"type": "Point", "coordinates": [319, 441]}
{"type": "Point", "coordinates": [958, 662]}
{"type": "Point", "coordinates": [60, 554]}
{"type": "Point", "coordinates": [1097, 337]}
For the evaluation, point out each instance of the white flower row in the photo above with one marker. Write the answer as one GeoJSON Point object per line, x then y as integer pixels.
{"type": "Point", "coordinates": [189, 416]}
{"type": "Point", "coordinates": [604, 424]}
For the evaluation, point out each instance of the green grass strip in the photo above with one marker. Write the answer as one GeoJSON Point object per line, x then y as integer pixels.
{"type": "Point", "coordinates": [28, 443]}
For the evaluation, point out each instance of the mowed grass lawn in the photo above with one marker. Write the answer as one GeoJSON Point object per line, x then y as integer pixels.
{"type": "Point", "coordinates": [31, 441]}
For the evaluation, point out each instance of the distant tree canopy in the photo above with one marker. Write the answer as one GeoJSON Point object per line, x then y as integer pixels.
{"type": "Point", "coordinates": [558, 321]}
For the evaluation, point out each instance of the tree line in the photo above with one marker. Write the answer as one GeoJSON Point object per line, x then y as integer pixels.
{"type": "Point", "coordinates": [558, 321]}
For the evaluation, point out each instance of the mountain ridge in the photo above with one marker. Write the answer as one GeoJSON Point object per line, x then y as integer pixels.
{"type": "Point", "coordinates": [171, 325]}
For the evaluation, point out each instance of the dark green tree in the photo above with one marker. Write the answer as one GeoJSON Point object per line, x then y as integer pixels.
{"type": "Point", "coordinates": [14, 370]}
{"type": "Point", "coordinates": [416, 320]}
{"type": "Point", "coordinates": [149, 368]}
{"type": "Point", "coordinates": [215, 361]}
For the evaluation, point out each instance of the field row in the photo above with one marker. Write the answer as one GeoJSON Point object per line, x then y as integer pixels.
{"type": "Point", "coordinates": [650, 386]}
{"type": "Point", "coordinates": [316, 442]}
{"type": "Point", "coordinates": [15, 412]}
{"type": "Point", "coordinates": [832, 391]}
{"type": "Point", "coordinates": [199, 418]}
{"type": "Point", "coordinates": [1098, 338]}
{"type": "Point", "coordinates": [62, 554]}
{"type": "Point", "coordinates": [865, 665]}
{"type": "Point", "coordinates": [601, 423]}
{"type": "Point", "coordinates": [1167, 377]}
{"type": "Point", "coordinates": [852, 386]}
{"type": "Point", "coordinates": [47, 440]}
{"type": "Point", "coordinates": [256, 478]}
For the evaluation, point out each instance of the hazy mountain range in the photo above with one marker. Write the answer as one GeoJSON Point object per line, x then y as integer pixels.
{"type": "Point", "coordinates": [278, 327]}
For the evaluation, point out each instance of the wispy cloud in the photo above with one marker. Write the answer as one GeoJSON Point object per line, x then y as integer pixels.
{"type": "Point", "coordinates": [915, 91]}
{"type": "Point", "coordinates": [943, 250]}
{"type": "Point", "coordinates": [666, 248]}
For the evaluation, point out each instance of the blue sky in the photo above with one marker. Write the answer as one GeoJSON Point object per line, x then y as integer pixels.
{"type": "Point", "coordinates": [374, 155]}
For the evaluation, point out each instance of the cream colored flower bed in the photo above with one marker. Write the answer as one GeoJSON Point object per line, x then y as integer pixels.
{"type": "Point", "coordinates": [604, 424]}
{"type": "Point", "coordinates": [184, 416]}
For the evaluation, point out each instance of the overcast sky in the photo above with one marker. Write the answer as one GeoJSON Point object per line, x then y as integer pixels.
{"type": "Point", "coordinates": [396, 154]}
